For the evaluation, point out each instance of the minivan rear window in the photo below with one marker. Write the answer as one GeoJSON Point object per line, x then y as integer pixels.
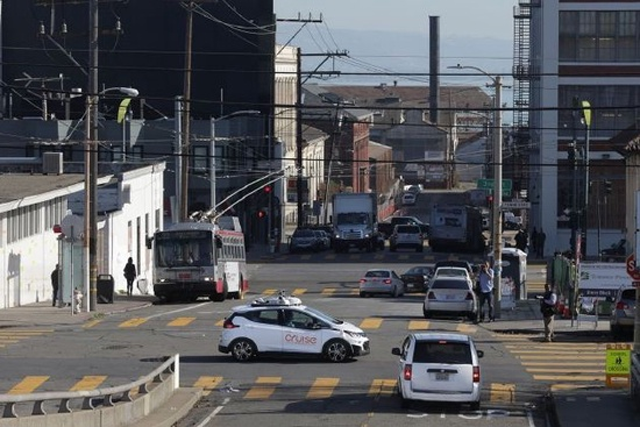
{"type": "Point", "coordinates": [442, 352]}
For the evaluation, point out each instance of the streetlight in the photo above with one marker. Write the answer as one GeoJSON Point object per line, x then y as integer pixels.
{"type": "Point", "coordinates": [497, 183]}
{"type": "Point", "coordinates": [212, 155]}
{"type": "Point", "coordinates": [91, 190]}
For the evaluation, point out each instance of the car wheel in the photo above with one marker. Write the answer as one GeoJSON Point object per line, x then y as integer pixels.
{"type": "Point", "coordinates": [472, 316]}
{"type": "Point", "coordinates": [392, 248]}
{"type": "Point", "coordinates": [337, 351]}
{"type": "Point", "coordinates": [243, 349]}
{"type": "Point", "coordinates": [405, 403]}
{"type": "Point", "coordinates": [427, 314]}
{"type": "Point", "coordinates": [363, 294]}
{"type": "Point", "coordinates": [475, 406]}
{"type": "Point", "coordinates": [221, 296]}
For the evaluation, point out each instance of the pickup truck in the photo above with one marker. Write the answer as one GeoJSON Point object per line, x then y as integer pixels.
{"type": "Point", "coordinates": [386, 227]}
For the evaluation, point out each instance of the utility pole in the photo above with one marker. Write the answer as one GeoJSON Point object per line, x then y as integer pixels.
{"type": "Point", "coordinates": [91, 160]}
{"type": "Point", "coordinates": [186, 116]}
{"type": "Point", "coordinates": [299, 137]}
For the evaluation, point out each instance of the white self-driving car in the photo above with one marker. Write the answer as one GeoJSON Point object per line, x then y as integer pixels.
{"type": "Point", "coordinates": [282, 325]}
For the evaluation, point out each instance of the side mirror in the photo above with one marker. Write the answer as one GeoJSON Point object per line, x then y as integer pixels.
{"type": "Point", "coordinates": [396, 351]}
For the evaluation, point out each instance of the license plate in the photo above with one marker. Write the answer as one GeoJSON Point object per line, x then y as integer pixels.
{"type": "Point", "coordinates": [184, 275]}
{"type": "Point", "coordinates": [442, 376]}
{"type": "Point", "coordinates": [450, 297]}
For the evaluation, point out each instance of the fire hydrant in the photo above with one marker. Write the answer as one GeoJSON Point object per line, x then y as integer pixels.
{"type": "Point", "coordinates": [77, 301]}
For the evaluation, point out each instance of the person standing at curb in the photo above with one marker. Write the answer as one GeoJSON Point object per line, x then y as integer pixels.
{"type": "Point", "coordinates": [130, 274]}
{"type": "Point", "coordinates": [55, 280]}
{"type": "Point", "coordinates": [485, 279]}
{"type": "Point", "coordinates": [548, 310]}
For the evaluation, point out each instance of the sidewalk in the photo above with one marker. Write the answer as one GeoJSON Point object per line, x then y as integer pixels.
{"type": "Point", "coordinates": [43, 315]}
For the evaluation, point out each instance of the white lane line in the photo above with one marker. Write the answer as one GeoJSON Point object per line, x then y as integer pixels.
{"type": "Point", "coordinates": [202, 304]}
{"type": "Point", "coordinates": [214, 413]}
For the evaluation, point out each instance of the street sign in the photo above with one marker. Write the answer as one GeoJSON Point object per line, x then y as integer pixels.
{"type": "Point", "coordinates": [635, 284]}
{"type": "Point", "coordinates": [631, 268]}
{"type": "Point", "coordinates": [488, 184]}
{"type": "Point", "coordinates": [516, 204]}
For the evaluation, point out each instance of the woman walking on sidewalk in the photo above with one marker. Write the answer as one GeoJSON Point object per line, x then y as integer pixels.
{"type": "Point", "coordinates": [130, 274]}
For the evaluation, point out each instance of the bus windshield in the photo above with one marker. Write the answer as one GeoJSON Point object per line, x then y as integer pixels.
{"type": "Point", "coordinates": [183, 249]}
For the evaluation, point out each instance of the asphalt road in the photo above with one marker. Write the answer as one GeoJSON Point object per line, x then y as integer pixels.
{"type": "Point", "coordinates": [120, 348]}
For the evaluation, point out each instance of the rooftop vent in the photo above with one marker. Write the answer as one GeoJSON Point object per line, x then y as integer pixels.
{"type": "Point", "coordinates": [52, 163]}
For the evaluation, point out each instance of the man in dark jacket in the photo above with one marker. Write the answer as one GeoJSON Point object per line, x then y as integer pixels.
{"type": "Point", "coordinates": [55, 280]}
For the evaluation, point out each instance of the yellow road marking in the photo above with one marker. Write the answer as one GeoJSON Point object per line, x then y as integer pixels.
{"type": "Point", "coordinates": [567, 370]}
{"type": "Point", "coordinates": [25, 332]}
{"type": "Point", "coordinates": [3, 341]}
{"type": "Point", "coordinates": [569, 378]}
{"type": "Point", "coordinates": [355, 291]}
{"type": "Point", "coordinates": [371, 323]}
{"type": "Point", "coordinates": [418, 324]}
{"type": "Point", "coordinates": [379, 387]}
{"type": "Point", "coordinates": [322, 388]}
{"type": "Point", "coordinates": [88, 382]}
{"type": "Point", "coordinates": [264, 388]}
{"type": "Point", "coordinates": [91, 323]}
{"type": "Point", "coordinates": [28, 385]}
{"type": "Point", "coordinates": [563, 364]}
{"type": "Point", "coordinates": [466, 329]}
{"type": "Point", "coordinates": [181, 321]}
{"type": "Point", "coordinates": [220, 323]}
{"type": "Point", "coordinates": [555, 387]}
{"type": "Point", "coordinates": [208, 384]}
{"type": "Point", "coordinates": [328, 291]}
{"type": "Point", "coordinates": [534, 351]}
{"type": "Point", "coordinates": [501, 392]}
{"type": "Point", "coordinates": [298, 291]}
{"type": "Point", "coordinates": [269, 291]}
{"type": "Point", "coordinates": [132, 323]}
{"type": "Point", "coordinates": [553, 356]}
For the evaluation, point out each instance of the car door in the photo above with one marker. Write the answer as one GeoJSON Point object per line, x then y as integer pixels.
{"type": "Point", "coordinates": [302, 332]}
{"type": "Point", "coordinates": [265, 330]}
{"type": "Point", "coordinates": [442, 367]}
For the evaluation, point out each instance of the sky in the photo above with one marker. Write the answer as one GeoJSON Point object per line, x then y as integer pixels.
{"type": "Point", "coordinates": [476, 18]}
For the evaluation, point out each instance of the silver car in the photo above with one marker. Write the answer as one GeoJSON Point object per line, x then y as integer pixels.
{"type": "Point", "coordinates": [623, 313]}
{"type": "Point", "coordinates": [451, 296]}
{"type": "Point", "coordinates": [439, 367]}
{"type": "Point", "coordinates": [381, 281]}
{"type": "Point", "coordinates": [406, 236]}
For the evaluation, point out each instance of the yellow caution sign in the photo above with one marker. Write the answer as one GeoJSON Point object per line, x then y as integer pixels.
{"type": "Point", "coordinates": [618, 365]}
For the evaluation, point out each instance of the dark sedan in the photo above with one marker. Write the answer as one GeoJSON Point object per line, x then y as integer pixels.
{"type": "Point", "coordinates": [416, 278]}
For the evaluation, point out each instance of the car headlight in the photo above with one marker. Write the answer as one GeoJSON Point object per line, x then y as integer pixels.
{"type": "Point", "coordinates": [355, 334]}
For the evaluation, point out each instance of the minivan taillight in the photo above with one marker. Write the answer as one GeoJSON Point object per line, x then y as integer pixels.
{"type": "Point", "coordinates": [431, 295]}
{"type": "Point", "coordinates": [228, 324]}
{"type": "Point", "coordinates": [476, 374]}
{"type": "Point", "coordinates": [406, 373]}
{"type": "Point", "coordinates": [621, 305]}
{"type": "Point", "coordinates": [387, 281]}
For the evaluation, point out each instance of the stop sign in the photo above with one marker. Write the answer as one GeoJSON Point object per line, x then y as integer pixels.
{"type": "Point", "coordinates": [631, 268]}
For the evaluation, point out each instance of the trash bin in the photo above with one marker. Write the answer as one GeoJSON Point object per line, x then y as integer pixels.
{"type": "Point", "coordinates": [105, 289]}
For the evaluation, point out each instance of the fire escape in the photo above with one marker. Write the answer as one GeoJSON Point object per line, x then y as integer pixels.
{"type": "Point", "coordinates": [518, 169]}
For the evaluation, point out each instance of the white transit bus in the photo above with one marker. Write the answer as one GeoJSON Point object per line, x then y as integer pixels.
{"type": "Point", "coordinates": [199, 259]}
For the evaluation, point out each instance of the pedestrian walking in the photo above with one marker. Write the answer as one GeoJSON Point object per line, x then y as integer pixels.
{"type": "Point", "coordinates": [541, 239]}
{"type": "Point", "coordinates": [485, 281]}
{"type": "Point", "coordinates": [522, 240]}
{"type": "Point", "coordinates": [55, 280]}
{"type": "Point", "coordinates": [130, 274]}
{"type": "Point", "coordinates": [548, 310]}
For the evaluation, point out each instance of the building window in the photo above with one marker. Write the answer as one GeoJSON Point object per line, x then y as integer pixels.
{"type": "Point", "coordinates": [200, 159]}
{"type": "Point", "coordinates": [137, 152]}
{"type": "Point", "coordinates": [599, 36]}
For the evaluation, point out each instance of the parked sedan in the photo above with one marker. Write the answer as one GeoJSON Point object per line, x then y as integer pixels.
{"type": "Point", "coordinates": [416, 278]}
{"type": "Point", "coordinates": [624, 312]}
{"type": "Point", "coordinates": [381, 281]}
{"type": "Point", "coordinates": [304, 240]}
{"type": "Point", "coordinates": [439, 367]}
{"type": "Point", "coordinates": [450, 296]}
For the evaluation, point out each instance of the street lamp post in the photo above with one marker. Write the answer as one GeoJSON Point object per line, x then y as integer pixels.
{"type": "Point", "coordinates": [91, 189]}
{"type": "Point", "coordinates": [497, 185]}
{"type": "Point", "coordinates": [212, 154]}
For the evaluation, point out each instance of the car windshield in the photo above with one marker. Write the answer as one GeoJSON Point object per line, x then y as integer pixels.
{"type": "Point", "coordinates": [442, 352]}
{"type": "Point", "coordinates": [407, 229]}
{"type": "Point", "coordinates": [449, 284]}
{"type": "Point", "coordinates": [451, 272]}
{"type": "Point", "coordinates": [377, 273]}
{"type": "Point", "coordinates": [324, 316]}
{"type": "Point", "coordinates": [418, 270]}
{"type": "Point", "coordinates": [303, 233]}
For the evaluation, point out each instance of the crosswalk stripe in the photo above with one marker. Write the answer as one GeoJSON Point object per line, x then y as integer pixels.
{"type": "Point", "coordinates": [501, 392]}
{"type": "Point", "coordinates": [268, 292]}
{"type": "Point", "coordinates": [328, 291]}
{"type": "Point", "coordinates": [88, 382]}
{"type": "Point", "coordinates": [567, 370]}
{"type": "Point", "coordinates": [322, 388]}
{"type": "Point", "coordinates": [208, 384]}
{"type": "Point", "coordinates": [132, 323]}
{"type": "Point", "coordinates": [91, 323]}
{"type": "Point", "coordinates": [371, 323]}
{"type": "Point", "coordinates": [220, 323]}
{"type": "Point", "coordinates": [355, 291]}
{"type": "Point", "coordinates": [3, 341]}
{"type": "Point", "coordinates": [551, 356]}
{"type": "Point", "coordinates": [181, 321]}
{"type": "Point", "coordinates": [418, 324]}
{"type": "Point", "coordinates": [466, 329]}
{"type": "Point", "coordinates": [26, 333]}
{"type": "Point", "coordinates": [382, 386]}
{"type": "Point", "coordinates": [298, 292]}
{"type": "Point", "coordinates": [569, 378]}
{"type": "Point", "coordinates": [28, 385]}
{"type": "Point", "coordinates": [568, 363]}
{"type": "Point", "coordinates": [264, 388]}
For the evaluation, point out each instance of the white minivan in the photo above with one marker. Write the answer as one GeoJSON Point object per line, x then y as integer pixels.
{"type": "Point", "coordinates": [439, 367]}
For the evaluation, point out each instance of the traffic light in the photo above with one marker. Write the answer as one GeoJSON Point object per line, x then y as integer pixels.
{"type": "Point", "coordinates": [607, 186]}
{"type": "Point", "coordinates": [490, 200]}
{"type": "Point", "coordinates": [261, 213]}
{"type": "Point", "coordinates": [267, 189]}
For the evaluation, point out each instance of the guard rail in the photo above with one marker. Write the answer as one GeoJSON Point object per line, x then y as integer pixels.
{"type": "Point", "coordinates": [163, 380]}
